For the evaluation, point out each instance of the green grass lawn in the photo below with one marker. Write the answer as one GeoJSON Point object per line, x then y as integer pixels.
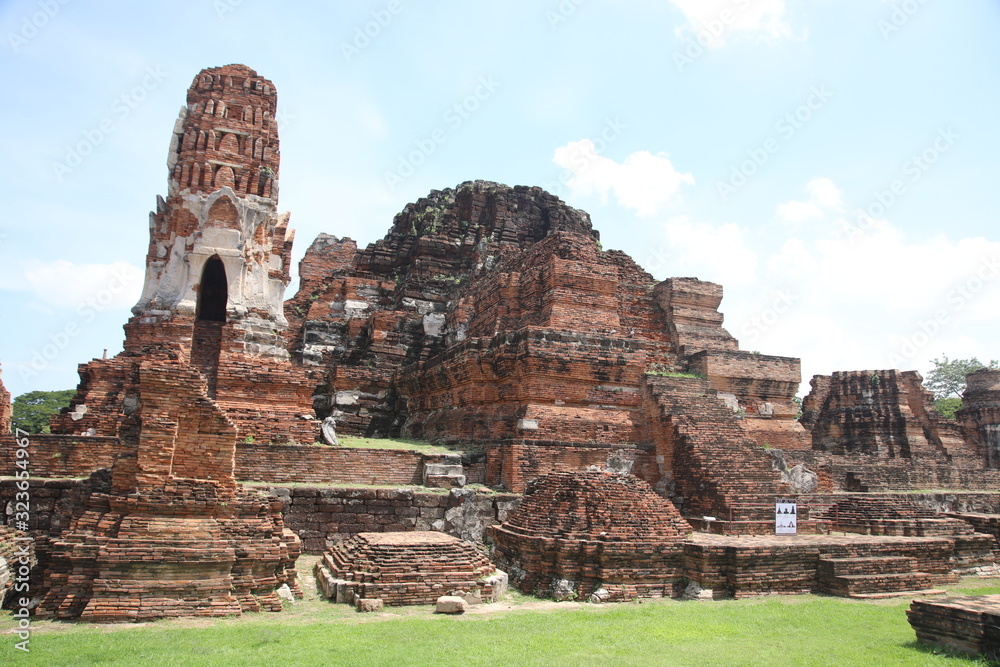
{"type": "Point", "coordinates": [409, 444]}
{"type": "Point", "coordinates": [789, 630]}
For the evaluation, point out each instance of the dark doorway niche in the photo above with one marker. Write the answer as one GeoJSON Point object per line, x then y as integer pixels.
{"type": "Point", "coordinates": [213, 293]}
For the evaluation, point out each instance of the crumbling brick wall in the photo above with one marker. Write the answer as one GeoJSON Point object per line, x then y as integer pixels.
{"type": "Point", "coordinates": [173, 505]}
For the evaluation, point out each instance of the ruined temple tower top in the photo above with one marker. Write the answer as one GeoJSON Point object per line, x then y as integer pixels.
{"type": "Point", "coordinates": [218, 249]}
{"type": "Point", "coordinates": [227, 135]}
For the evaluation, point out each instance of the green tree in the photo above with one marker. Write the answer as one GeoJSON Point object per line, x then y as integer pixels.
{"type": "Point", "coordinates": [32, 410]}
{"type": "Point", "coordinates": [947, 381]}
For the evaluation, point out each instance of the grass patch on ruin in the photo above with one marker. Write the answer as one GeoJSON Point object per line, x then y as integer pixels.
{"type": "Point", "coordinates": [406, 444]}
{"type": "Point", "coordinates": [789, 630]}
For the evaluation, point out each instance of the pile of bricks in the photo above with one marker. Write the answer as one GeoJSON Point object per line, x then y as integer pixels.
{"type": "Point", "coordinates": [590, 530]}
{"type": "Point", "coordinates": [969, 625]}
{"type": "Point", "coordinates": [403, 568]}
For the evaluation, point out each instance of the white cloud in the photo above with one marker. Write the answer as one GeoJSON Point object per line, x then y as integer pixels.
{"type": "Point", "coordinates": [891, 301]}
{"type": "Point", "coordinates": [876, 298]}
{"type": "Point", "coordinates": [716, 253]}
{"type": "Point", "coordinates": [644, 182]}
{"type": "Point", "coordinates": [714, 21]}
{"type": "Point", "coordinates": [823, 194]}
{"type": "Point", "coordinates": [797, 211]}
{"type": "Point", "coordinates": [63, 284]}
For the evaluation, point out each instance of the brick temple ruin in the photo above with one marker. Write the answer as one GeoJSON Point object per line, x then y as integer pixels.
{"type": "Point", "coordinates": [488, 319]}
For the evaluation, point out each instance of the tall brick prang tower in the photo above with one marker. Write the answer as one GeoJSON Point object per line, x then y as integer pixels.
{"type": "Point", "coordinates": [216, 270]}
{"type": "Point", "coordinates": [218, 251]}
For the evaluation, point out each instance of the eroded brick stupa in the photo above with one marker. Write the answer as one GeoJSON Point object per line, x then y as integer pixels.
{"type": "Point", "coordinates": [575, 534]}
{"type": "Point", "coordinates": [216, 270]}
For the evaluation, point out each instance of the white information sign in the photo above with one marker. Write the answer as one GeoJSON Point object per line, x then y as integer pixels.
{"type": "Point", "coordinates": [786, 516]}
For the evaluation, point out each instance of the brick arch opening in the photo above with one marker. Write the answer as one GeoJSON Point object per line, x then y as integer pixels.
{"type": "Point", "coordinates": [206, 338]}
{"type": "Point", "coordinates": [213, 292]}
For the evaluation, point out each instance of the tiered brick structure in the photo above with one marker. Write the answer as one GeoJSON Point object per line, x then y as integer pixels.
{"type": "Point", "coordinates": [980, 414]}
{"type": "Point", "coordinates": [878, 431]}
{"type": "Point", "coordinates": [490, 314]}
{"type": "Point", "coordinates": [174, 535]}
{"type": "Point", "coordinates": [403, 569]}
{"type": "Point", "coordinates": [216, 270]}
{"type": "Point", "coordinates": [575, 533]}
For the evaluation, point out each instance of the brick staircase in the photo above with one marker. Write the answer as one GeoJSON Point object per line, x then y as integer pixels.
{"type": "Point", "coordinates": [714, 464]}
{"type": "Point", "coordinates": [873, 577]}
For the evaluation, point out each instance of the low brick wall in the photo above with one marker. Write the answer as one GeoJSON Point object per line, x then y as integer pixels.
{"type": "Point", "coordinates": [56, 456]}
{"type": "Point", "coordinates": [945, 501]}
{"type": "Point", "coordinates": [328, 515]}
{"type": "Point", "coordinates": [51, 503]}
{"type": "Point", "coordinates": [317, 464]}
{"type": "Point", "coordinates": [321, 516]}
{"type": "Point", "coordinates": [60, 455]}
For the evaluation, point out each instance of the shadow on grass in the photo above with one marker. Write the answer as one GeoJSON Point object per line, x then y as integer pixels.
{"type": "Point", "coordinates": [944, 652]}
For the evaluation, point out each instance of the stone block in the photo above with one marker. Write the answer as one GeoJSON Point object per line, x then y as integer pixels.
{"type": "Point", "coordinates": [450, 604]}
{"type": "Point", "coordinates": [369, 604]}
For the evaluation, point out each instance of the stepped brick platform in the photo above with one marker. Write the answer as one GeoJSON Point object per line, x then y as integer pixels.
{"type": "Point", "coordinates": [873, 576]}
{"type": "Point", "coordinates": [748, 566]}
{"type": "Point", "coordinates": [173, 535]}
{"type": "Point", "coordinates": [969, 625]}
{"type": "Point", "coordinates": [887, 516]}
{"type": "Point", "coordinates": [576, 533]}
{"type": "Point", "coordinates": [404, 569]}
{"type": "Point", "coordinates": [981, 523]}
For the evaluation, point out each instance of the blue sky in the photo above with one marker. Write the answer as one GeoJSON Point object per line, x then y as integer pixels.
{"type": "Point", "coordinates": [831, 162]}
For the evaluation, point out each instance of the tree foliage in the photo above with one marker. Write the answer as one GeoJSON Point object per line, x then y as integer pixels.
{"type": "Point", "coordinates": [947, 378]}
{"type": "Point", "coordinates": [948, 406]}
{"type": "Point", "coordinates": [32, 410]}
{"type": "Point", "coordinates": [947, 381]}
